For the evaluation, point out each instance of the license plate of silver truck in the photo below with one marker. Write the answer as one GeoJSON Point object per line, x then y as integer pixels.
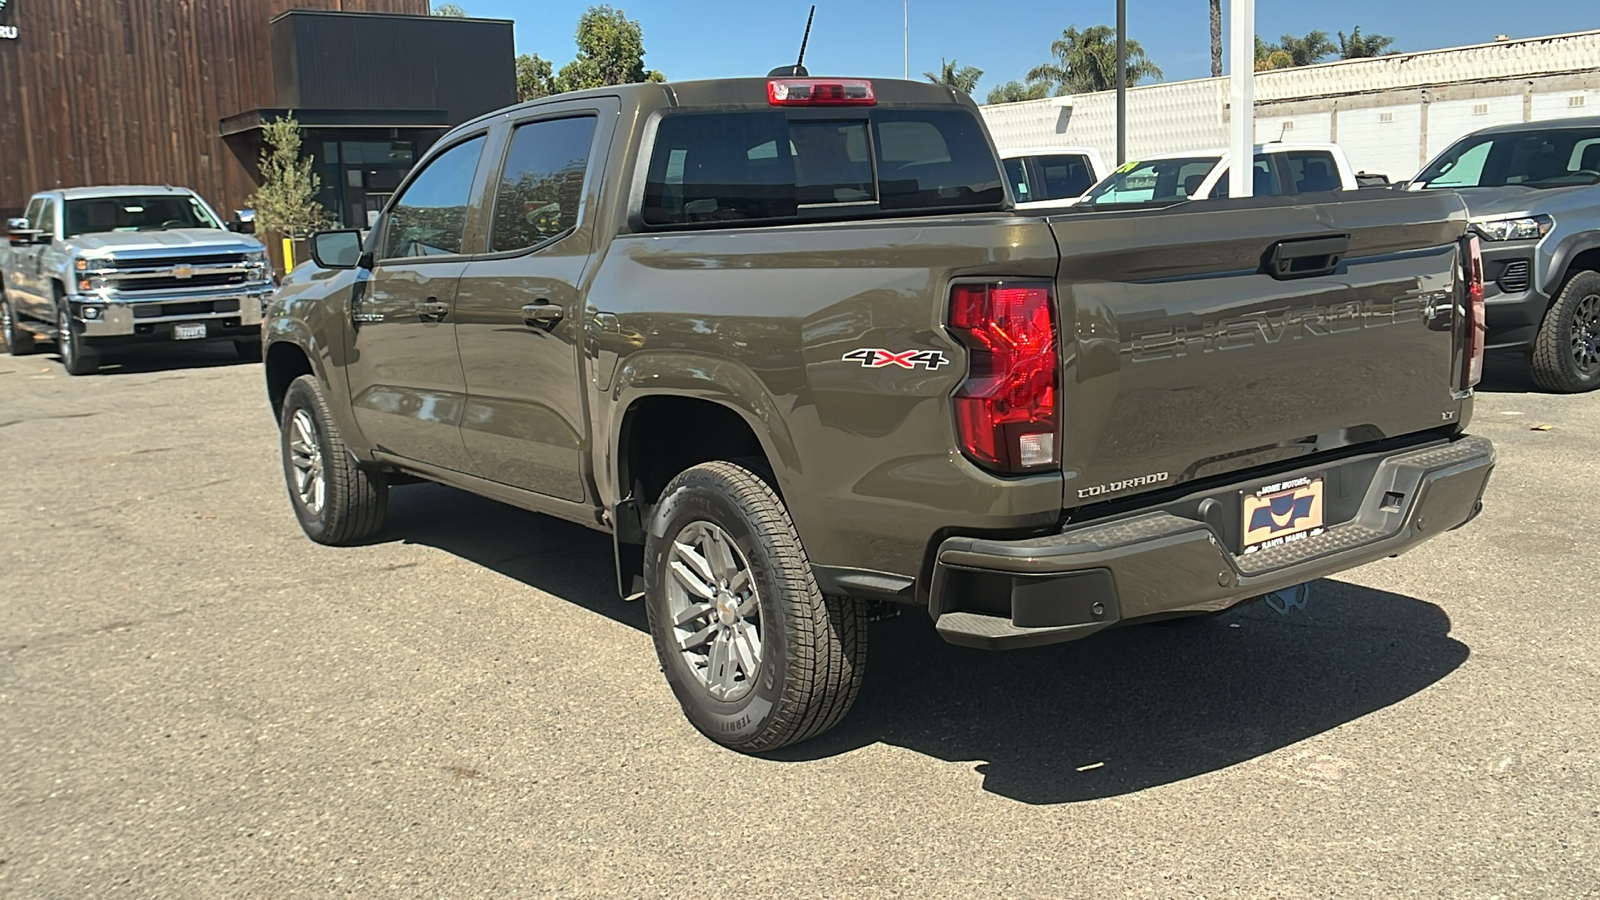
{"type": "Point", "coordinates": [189, 332]}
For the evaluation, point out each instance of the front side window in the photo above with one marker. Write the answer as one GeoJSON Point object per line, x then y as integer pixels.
{"type": "Point", "coordinates": [1017, 174]}
{"type": "Point", "coordinates": [710, 168]}
{"type": "Point", "coordinates": [1265, 184]}
{"type": "Point", "coordinates": [47, 218]}
{"type": "Point", "coordinates": [430, 217]}
{"type": "Point", "coordinates": [34, 215]}
{"type": "Point", "coordinates": [1539, 159]}
{"type": "Point", "coordinates": [541, 186]}
{"type": "Point", "coordinates": [162, 212]}
{"type": "Point", "coordinates": [1163, 180]}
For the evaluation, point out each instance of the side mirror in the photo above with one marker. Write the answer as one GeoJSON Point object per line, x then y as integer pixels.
{"type": "Point", "coordinates": [337, 249]}
{"type": "Point", "coordinates": [244, 221]}
{"type": "Point", "coordinates": [19, 233]}
{"type": "Point", "coordinates": [15, 225]}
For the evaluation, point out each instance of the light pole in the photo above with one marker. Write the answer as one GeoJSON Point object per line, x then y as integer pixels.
{"type": "Point", "coordinates": [907, 75]}
{"type": "Point", "coordinates": [1242, 94]}
{"type": "Point", "coordinates": [1122, 82]}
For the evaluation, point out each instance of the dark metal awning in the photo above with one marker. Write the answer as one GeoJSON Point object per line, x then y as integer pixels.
{"type": "Point", "coordinates": [252, 120]}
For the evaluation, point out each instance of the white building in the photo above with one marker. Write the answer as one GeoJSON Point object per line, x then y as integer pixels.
{"type": "Point", "coordinates": [1391, 114]}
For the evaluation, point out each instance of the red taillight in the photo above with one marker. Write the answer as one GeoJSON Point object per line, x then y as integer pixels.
{"type": "Point", "coordinates": [819, 92]}
{"type": "Point", "coordinates": [1006, 409]}
{"type": "Point", "coordinates": [1477, 328]}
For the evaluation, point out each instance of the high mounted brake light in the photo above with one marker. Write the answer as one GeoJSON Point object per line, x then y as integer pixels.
{"type": "Point", "coordinates": [1006, 410]}
{"type": "Point", "coordinates": [1477, 327]}
{"type": "Point", "coordinates": [819, 92]}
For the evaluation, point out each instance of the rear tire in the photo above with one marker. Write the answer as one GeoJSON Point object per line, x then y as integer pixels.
{"type": "Point", "coordinates": [249, 351]}
{"type": "Point", "coordinates": [76, 356]}
{"type": "Point", "coordinates": [18, 340]}
{"type": "Point", "coordinates": [1566, 352]}
{"type": "Point", "coordinates": [757, 657]}
{"type": "Point", "coordinates": [336, 501]}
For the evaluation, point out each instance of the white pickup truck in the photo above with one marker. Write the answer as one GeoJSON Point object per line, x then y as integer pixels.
{"type": "Point", "coordinates": [1203, 174]}
{"type": "Point", "coordinates": [95, 269]}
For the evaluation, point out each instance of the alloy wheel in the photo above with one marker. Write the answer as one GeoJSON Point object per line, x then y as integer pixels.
{"type": "Point", "coordinates": [305, 455]}
{"type": "Point", "coordinates": [715, 609]}
{"type": "Point", "coordinates": [1586, 334]}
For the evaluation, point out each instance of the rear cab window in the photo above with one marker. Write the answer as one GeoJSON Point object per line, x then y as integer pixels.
{"type": "Point", "coordinates": [711, 168]}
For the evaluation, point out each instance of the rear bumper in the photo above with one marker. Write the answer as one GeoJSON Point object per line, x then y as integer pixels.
{"type": "Point", "coordinates": [1004, 594]}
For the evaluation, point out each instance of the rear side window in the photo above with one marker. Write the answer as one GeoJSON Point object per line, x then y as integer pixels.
{"type": "Point", "coordinates": [1312, 170]}
{"type": "Point", "coordinates": [541, 186]}
{"type": "Point", "coordinates": [761, 166]}
{"type": "Point", "coordinates": [1266, 182]}
{"type": "Point", "coordinates": [1063, 175]}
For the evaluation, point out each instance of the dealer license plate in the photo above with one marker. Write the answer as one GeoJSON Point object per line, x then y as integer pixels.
{"type": "Point", "coordinates": [189, 332]}
{"type": "Point", "coordinates": [1282, 513]}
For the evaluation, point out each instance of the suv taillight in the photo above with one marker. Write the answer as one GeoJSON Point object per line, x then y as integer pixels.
{"type": "Point", "coordinates": [1477, 327]}
{"type": "Point", "coordinates": [1006, 409]}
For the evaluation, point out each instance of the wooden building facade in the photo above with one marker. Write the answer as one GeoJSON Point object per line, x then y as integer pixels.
{"type": "Point", "coordinates": [174, 91]}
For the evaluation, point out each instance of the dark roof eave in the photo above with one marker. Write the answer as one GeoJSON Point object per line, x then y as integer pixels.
{"type": "Point", "coordinates": [254, 119]}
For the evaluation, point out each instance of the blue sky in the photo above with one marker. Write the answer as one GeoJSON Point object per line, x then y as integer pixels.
{"type": "Point", "coordinates": [1005, 38]}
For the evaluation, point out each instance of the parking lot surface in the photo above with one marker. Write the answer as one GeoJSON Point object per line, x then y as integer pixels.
{"type": "Point", "coordinates": [197, 701]}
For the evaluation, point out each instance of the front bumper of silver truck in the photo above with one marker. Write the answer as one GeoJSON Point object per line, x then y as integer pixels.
{"type": "Point", "coordinates": [1182, 559]}
{"type": "Point", "coordinates": [225, 313]}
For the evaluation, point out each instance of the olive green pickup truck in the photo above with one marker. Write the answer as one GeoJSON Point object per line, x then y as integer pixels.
{"type": "Point", "coordinates": [788, 342]}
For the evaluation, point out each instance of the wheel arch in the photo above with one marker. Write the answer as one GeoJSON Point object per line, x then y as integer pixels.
{"type": "Point", "coordinates": [1579, 253]}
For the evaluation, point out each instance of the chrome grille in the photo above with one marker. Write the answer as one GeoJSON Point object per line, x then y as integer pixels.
{"type": "Point", "coordinates": [135, 263]}
{"type": "Point", "coordinates": [1514, 277]}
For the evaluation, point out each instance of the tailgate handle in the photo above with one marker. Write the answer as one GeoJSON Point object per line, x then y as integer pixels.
{"type": "Point", "coordinates": [1306, 257]}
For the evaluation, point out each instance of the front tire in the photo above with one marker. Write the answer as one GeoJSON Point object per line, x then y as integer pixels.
{"type": "Point", "coordinates": [336, 501]}
{"type": "Point", "coordinates": [756, 656]}
{"type": "Point", "coordinates": [76, 356]}
{"type": "Point", "coordinates": [18, 340]}
{"type": "Point", "coordinates": [1566, 352]}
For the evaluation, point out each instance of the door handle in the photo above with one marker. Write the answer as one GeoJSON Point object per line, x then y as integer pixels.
{"type": "Point", "coordinates": [1306, 258]}
{"type": "Point", "coordinates": [433, 309]}
{"type": "Point", "coordinates": [542, 313]}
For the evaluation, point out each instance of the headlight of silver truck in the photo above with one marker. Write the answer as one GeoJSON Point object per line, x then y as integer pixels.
{"type": "Point", "coordinates": [256, 267]}
{"type": "Point", "coordinates": [91, 264]}
{"type": "Point", "coordinates": [1522, 228]}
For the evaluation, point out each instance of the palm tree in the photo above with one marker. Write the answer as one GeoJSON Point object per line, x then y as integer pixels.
{"type": "Point", "coordinates": [1216, 38]}
{"type": "Point", "coordinates": [963, 79]}
{"type": "Point", "coordinates": [1357, 46]}
{"type": "Point", "coordinates": [1086, 61]}
{"type": "Point", "coordinates": [1014, 91]}
{"type": "Point", "coordinates": [1308, 50]}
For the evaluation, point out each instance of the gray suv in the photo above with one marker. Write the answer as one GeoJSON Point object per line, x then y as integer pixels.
{"type": "Point", "coordinates": [1533, 191]}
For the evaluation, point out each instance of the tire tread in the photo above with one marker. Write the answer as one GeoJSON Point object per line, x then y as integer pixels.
{"type": "Point", "coordinates": [1550, 364]}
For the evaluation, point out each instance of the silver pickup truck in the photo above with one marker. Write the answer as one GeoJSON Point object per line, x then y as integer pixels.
{"type": "Point", "coordinates": [96, 269]}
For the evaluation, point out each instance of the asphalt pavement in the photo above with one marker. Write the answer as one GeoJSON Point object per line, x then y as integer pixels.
{"type": "Point", "coordinates": [198, 702]}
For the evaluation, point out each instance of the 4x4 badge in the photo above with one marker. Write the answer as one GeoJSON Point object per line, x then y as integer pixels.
{"type": "Point", "coordinates": [876, 358]}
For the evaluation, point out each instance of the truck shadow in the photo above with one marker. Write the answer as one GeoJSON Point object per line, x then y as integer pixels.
{"type": "Point", "coordinates": [1120, 712]}
{"type": "Point", "coordinates": [1507, 373]}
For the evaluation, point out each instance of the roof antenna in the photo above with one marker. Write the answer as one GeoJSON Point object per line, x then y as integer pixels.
{"type": "Point", "coordinates": [798, 70]}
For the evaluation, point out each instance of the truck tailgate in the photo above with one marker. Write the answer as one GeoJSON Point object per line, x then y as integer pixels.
{"type": "Point", "coordinates": [1184, 359]}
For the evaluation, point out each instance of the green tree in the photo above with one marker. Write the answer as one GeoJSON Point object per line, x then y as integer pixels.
{"type": "Point", "coordinates": [1016, 91]}
{"type": "Point", "coordinates": [1360, 46]}
{"type": "Point", "coordinates": [1271, 56]}
{"type": "Point", "coordinates": [1086, 61]}
{"type": "Point", "coordinates": [286, 203]}
{"type": "Point", "coordinates": [610, 51]}
{"type": "Point", "coordinates": [1291, 51]}
{"type": "Point", "coordinates": [962, 78]}
{"type": "Point", "coordinates": [452, 10]}
{"type": "Point", "coordinates": [1216, 38]}
{"type": "Point", "coordinates": [534, 78]}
